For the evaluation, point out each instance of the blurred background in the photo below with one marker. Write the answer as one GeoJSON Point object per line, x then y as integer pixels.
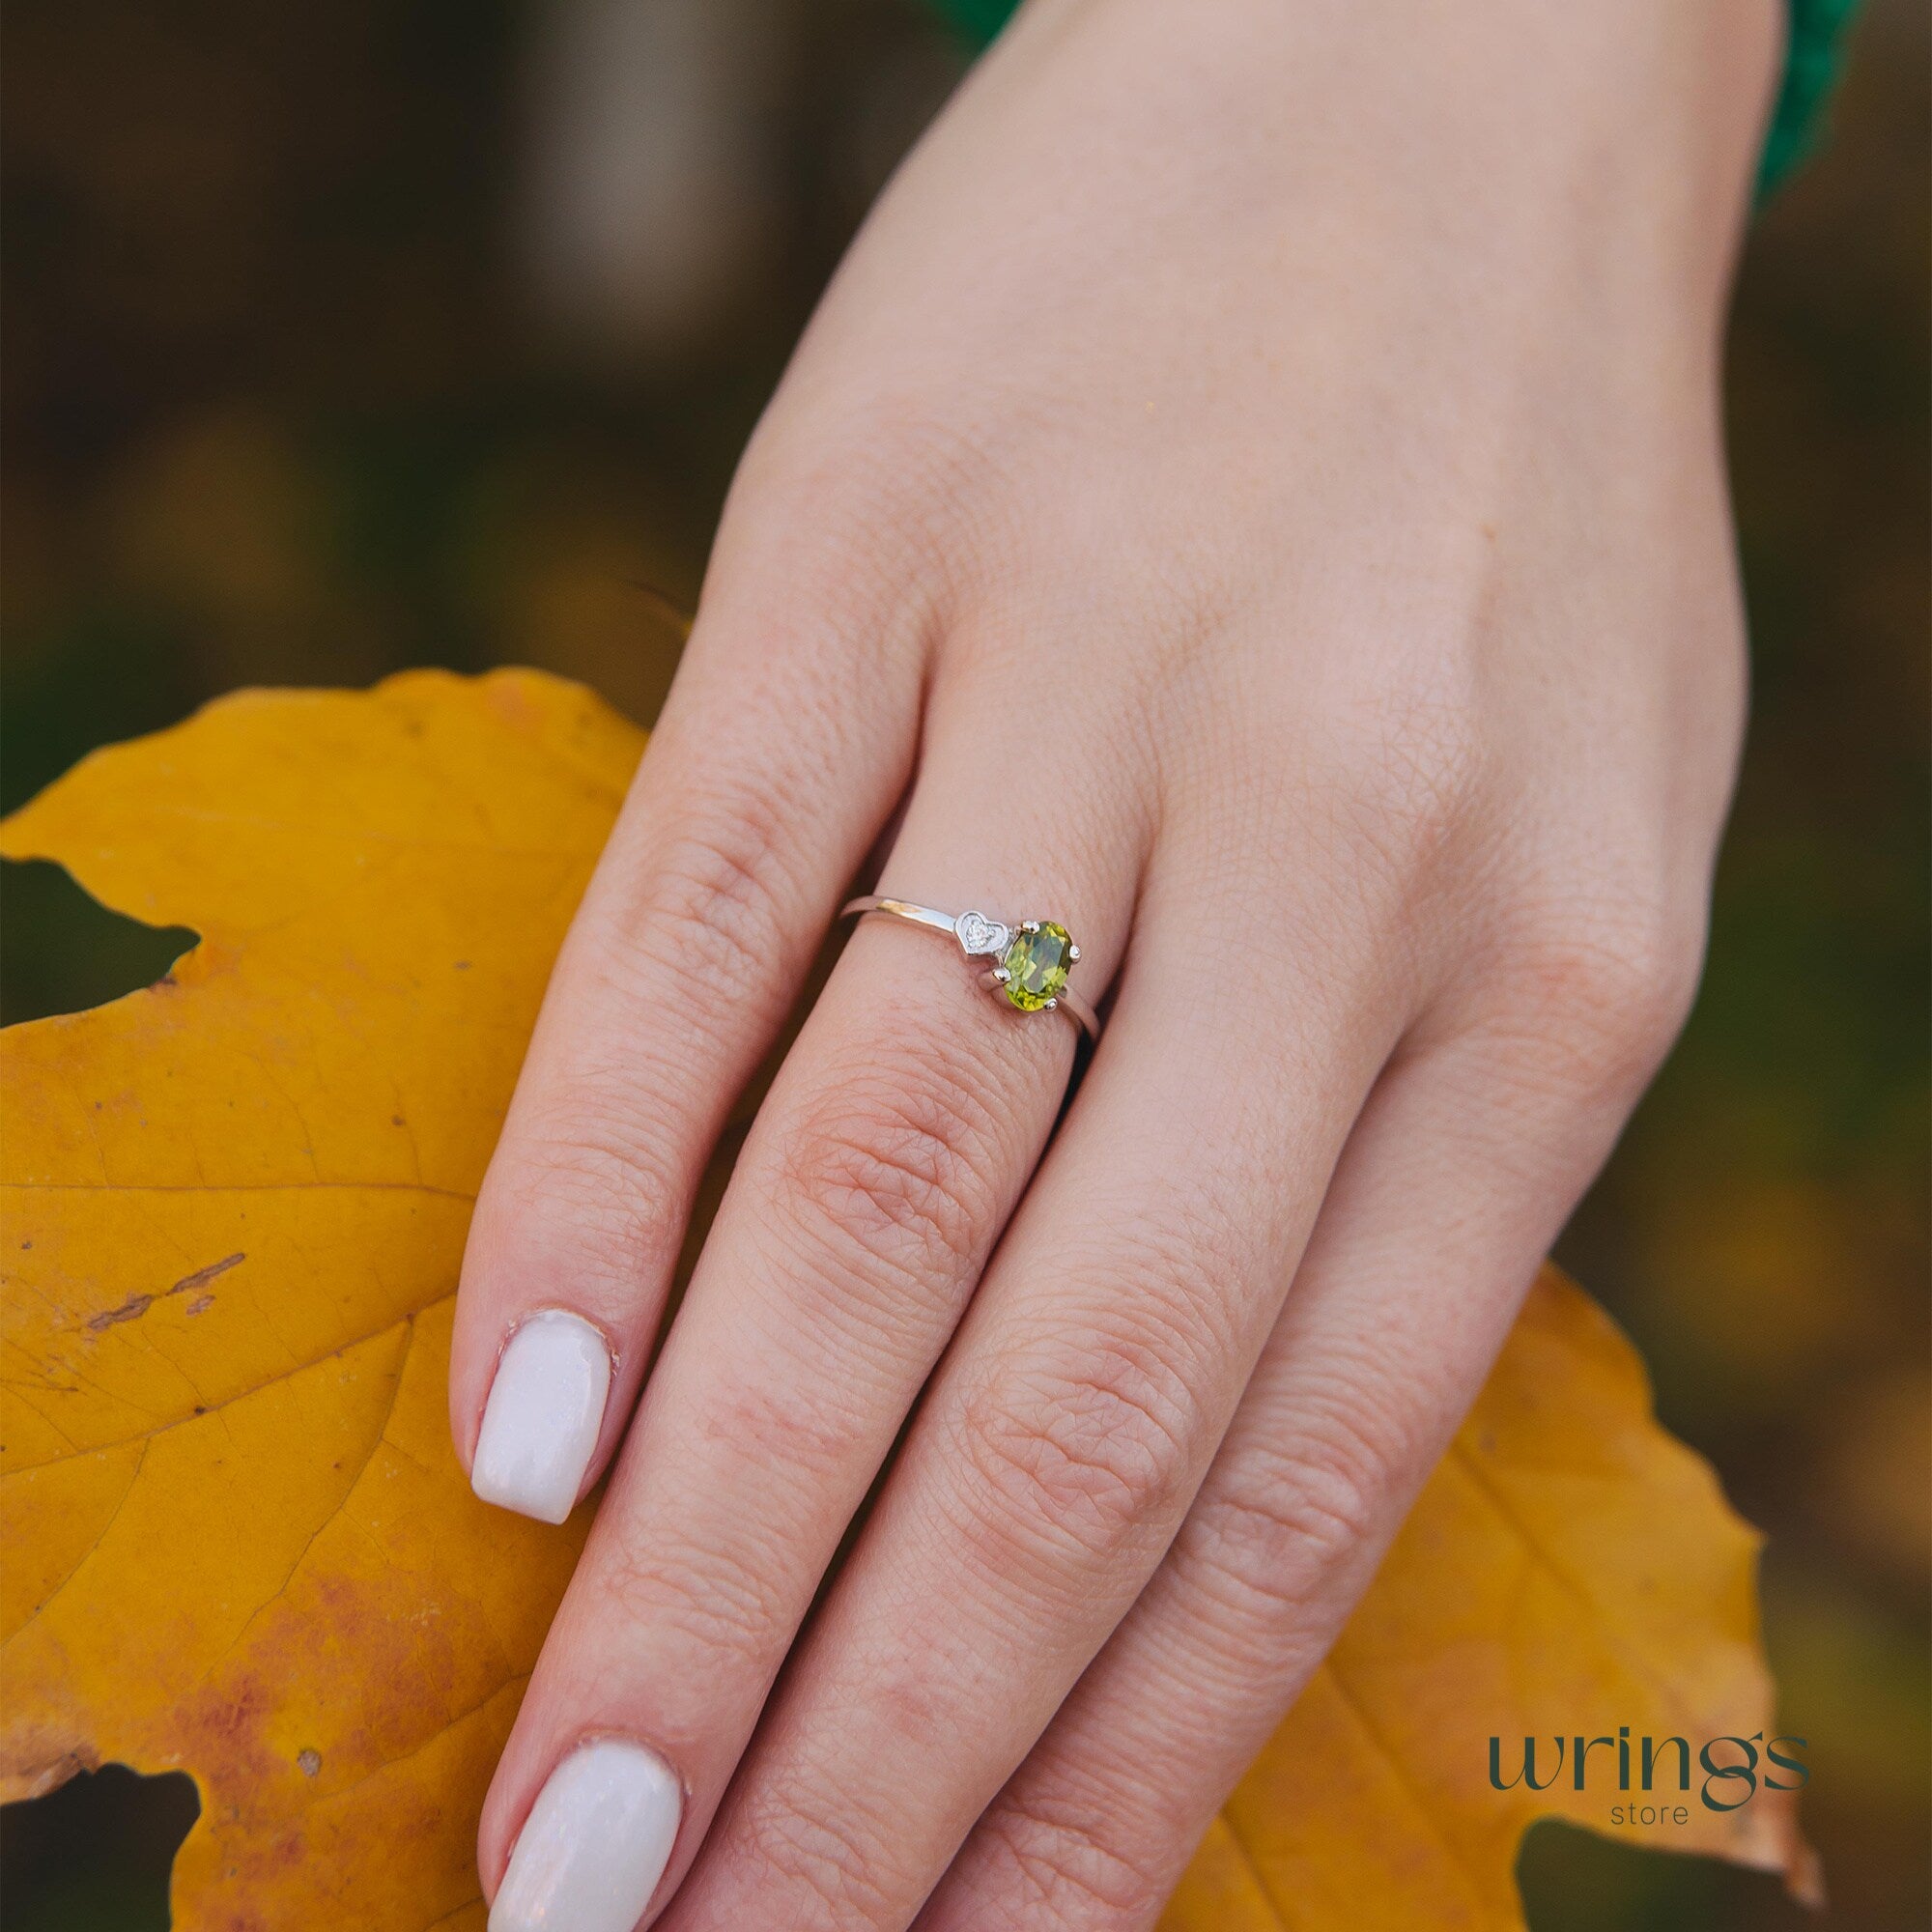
{"type": "Point", "coordinates": [344, 338]}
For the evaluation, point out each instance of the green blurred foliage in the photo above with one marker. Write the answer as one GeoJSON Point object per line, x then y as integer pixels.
{"type": "Point", "coordinates": [1574, 1881]}
{"type": "Point", "coordinates": [57, 1879]}
{"type": "Point", "coordinates": [280, 406]}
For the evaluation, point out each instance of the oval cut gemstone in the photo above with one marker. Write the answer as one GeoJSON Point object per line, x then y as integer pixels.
{"type": "Point", "coordinates": [1037, 964]}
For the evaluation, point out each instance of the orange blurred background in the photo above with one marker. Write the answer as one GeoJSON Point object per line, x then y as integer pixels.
{"type": "Point", "coordinates": [345, 338]}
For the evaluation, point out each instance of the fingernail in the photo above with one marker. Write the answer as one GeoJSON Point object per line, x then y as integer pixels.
{"type": "Point", "coordinates": [595, 1844]}
{"type": "Point", "coordinates": [541, 1421]}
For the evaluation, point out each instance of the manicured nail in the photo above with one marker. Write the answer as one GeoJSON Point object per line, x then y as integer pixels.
{"type": "Point", "coordinates": [541, 1421]}
{"type": "Point", "coordinates": [595, 1844]}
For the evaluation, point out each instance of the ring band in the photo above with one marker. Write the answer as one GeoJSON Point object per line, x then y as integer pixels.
{"type": "Point", "coordinates": [1032, 959]}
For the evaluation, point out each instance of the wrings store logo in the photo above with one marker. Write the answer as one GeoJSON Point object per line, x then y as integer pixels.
{"type": "Point", "coordinates": [1734, 1771]}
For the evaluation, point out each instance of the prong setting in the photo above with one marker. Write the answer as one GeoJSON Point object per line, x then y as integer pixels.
{"type": "Point", "coordinates": [1033, 970]}
{"type": "Point", "coordinates": [1026, 964]}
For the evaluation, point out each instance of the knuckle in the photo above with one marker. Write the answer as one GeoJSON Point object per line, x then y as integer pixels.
{"type": "Point", "coordinates": [1611, 989]}
{"type": "Point", "coordinates": [1064, 1867]}
{"type": "Point", "coordinates": [871, 449]}
{"type": "Point", "coordinates": [1085, 1450]}
{"type": "Point", "coordinates": [776, 1423]}
{"type": "Point", "coordinates": [839, 1868]}
{"type": "Point", "coordinates": [874, 496]}
{"type": "Point", "coordinates": [1413, 768]}
{"type": "Point", "coordinates": [584, 1175]}
{"type": "Point", "coordinates": [718, 892]}
{"type": "Point", "coordinates": [1431, 770]}
{"type": "Point", "coordinates": [900, 1172]}
{"type": "Point", "coordinates": [722, 1609]}
{"type": "Point", "coordinates": [1276, 1527]}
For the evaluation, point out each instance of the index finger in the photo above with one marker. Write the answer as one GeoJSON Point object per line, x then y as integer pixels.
{"type": "Point", "coordinates": [784, 748]}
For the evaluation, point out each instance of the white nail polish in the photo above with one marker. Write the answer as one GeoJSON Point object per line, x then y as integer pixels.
{"type": "Point", "coordinates": [541, 1421]}
{"type": "Point", "coordinates": [595, 1844]}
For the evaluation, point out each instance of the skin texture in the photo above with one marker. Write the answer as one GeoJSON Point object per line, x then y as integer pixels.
{"type": "Point", "coordinates": [1254, 492]}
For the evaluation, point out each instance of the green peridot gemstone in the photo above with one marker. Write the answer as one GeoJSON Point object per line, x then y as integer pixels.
{"type": "Point", "coordinates": [1036, 965]}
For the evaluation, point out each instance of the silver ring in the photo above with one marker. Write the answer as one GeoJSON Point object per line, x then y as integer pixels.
{"type": "Point", "coordinates": [1031, 960]}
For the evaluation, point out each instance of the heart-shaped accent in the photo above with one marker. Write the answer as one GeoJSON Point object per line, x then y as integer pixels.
{"type": "Point", "coordinates": [977, 934]}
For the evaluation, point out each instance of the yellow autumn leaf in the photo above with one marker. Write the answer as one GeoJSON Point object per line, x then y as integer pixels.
{"type": "Point", "coordinates": [239, 1543]}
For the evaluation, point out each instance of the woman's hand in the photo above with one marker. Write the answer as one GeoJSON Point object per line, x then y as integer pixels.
{"type": "Point", "coordinates": [1253, 494]}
